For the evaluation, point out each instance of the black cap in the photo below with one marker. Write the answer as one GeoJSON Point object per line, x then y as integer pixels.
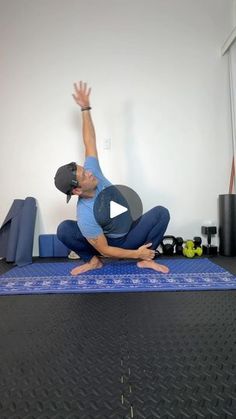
{"type": "Point", "coordinates": [65, 179]}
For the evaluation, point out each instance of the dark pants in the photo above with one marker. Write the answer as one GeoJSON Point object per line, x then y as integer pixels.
{"type": "Point", "coordinates": [150, 229]}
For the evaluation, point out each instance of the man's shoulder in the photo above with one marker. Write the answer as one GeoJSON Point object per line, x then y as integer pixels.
{"type": "Point", "coordinates": [86, 204]}
{"type": "Point", "coordinates": [91, 159]}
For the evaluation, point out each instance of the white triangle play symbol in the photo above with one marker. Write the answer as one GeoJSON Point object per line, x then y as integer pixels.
{"type": "Point", "coordinates": [116, 209]}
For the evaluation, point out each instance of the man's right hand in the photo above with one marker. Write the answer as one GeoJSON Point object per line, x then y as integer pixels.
{"type": "Point", "coordinates": [81, 94]}
{"type": "Point", "coordinates": [145, 253]}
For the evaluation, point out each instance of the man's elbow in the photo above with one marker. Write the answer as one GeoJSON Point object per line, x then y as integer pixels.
{"type": "Point", "coordinates": [105, 251]}
{"type": "Point", "coordinates": [91, 151]}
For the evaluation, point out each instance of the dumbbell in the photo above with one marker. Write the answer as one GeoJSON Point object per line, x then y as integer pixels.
{"type": "Point", "coordinates": [190, 251]}
{"type": "Point", "coordinates": [209, 249]}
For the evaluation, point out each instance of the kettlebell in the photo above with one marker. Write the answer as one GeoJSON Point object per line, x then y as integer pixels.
{"type": "Point", "coordinates": [179, 245]}
{"type": "Point", "coordinates": [198, 246]}
{"type": "Point", "coordinates": [197, 242]}
{"type": "Point", "coordinates": [168, 245]}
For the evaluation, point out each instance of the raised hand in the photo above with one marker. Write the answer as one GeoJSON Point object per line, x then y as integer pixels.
{"type": "Point", "coordinates": [81, 95]}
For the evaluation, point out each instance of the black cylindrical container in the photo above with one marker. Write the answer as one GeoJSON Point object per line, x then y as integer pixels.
{"type": "Point", "coordinates": [227, 224]}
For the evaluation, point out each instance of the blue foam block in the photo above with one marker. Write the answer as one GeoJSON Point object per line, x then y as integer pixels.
{"type": "Point", "coordinates": [46, 245]}
{"type": "Point", "coordinates": [59, 249]}
{"type": "Point", "coordinates": [50, 246]}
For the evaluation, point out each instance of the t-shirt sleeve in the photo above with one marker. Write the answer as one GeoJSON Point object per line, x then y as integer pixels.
{"type": "Point", "coordinates": [92, 163]}
{"type": "Point", "coordinates": [90, 229]}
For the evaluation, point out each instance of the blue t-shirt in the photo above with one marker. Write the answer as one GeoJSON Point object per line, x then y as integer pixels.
{"type": "Point", "coordinates": [86, 221]}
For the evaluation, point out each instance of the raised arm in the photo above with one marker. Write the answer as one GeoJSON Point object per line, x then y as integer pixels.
{"type": "Point", "coordinates": [81, 97]}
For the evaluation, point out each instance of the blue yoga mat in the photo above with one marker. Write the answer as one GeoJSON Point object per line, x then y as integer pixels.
{"type": "Point", "coordinates": [17, 232]}
{"type": "Point", "coordinates": [116, 276]}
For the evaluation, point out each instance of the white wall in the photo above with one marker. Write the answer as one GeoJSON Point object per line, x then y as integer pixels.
{"type": "Point", "coordinates": [160, 92]}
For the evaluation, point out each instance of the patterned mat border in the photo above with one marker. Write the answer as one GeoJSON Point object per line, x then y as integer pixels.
{"type": "Point", "coordinates": [117, 283]}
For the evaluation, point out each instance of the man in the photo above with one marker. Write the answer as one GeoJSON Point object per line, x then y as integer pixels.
{"type": "Point", "coordinates": [86, 236]}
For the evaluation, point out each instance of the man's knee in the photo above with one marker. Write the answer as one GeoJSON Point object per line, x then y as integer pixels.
{"type": "Point", "coordinates": [64, 229]}
{"type": "Point", "coordinates": [163, 214]}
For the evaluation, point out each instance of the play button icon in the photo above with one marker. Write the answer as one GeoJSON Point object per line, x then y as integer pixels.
{"type": "Point", "coordinates": [116, 208]}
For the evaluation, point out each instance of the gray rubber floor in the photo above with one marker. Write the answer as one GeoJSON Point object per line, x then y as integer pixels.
{"type": "Point", "coordinates": [122, 356]}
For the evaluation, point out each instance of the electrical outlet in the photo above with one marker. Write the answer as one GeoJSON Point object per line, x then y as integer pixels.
{"type": "Point", "coordinates": [107, 144]}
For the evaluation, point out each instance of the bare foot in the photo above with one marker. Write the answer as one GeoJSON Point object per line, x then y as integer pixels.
{"type": "Point", "coordinates": [153, 265]}
{"type": "Point", "coordinates": [94, 263]}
